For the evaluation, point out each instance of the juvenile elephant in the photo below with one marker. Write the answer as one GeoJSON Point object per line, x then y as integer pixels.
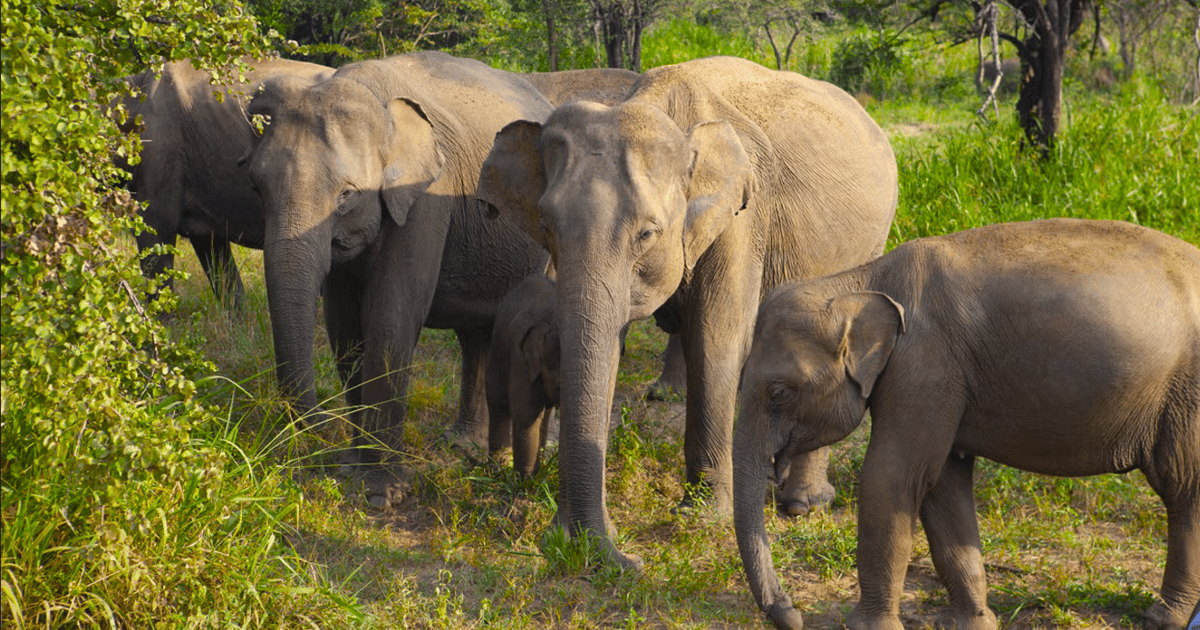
{"type": "Point", "coordinates": [188, 178]}
{"type": "Point", "coordinates": [715, 180]}
{"type": "Point", "coordinates": [523, 371]}
{"type": "Point", "coordinates": [368, 186]}
{"type": "Point", "coordinates": [1063, 347]}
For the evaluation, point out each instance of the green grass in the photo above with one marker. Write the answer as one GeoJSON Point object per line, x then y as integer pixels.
{"type": "Point", "coordinates": [472, 545]}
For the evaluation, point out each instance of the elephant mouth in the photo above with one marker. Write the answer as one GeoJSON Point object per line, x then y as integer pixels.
{"type": "Point", "coordinates": [782, 461]}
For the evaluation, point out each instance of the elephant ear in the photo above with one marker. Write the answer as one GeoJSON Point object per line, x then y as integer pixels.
{"type": "Point", "coordinates": [540, 349]}
{"type": "Point", "coordinates": [412, 159]}
{"type": "Point", "coordinates": [721, 185]}
{"type": "Point", "coordinates": [513, 179]}
{"type": "Point", "coordinates": [871, 324]}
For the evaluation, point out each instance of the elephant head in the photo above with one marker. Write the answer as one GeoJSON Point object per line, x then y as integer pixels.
{"type": "Point", "coordinates": [812, 367]}
{"type": "Point", "coordinates": [626, 202]}
{"type": "Point", "coordinates": [333, 165]}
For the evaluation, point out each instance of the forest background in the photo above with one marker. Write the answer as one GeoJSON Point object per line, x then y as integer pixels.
{"type": "Point", "coordinates": [151, 478]}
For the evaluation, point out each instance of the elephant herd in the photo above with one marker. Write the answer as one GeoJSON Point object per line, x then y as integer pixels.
{"type": "Point", "coordinates": [419, 190]}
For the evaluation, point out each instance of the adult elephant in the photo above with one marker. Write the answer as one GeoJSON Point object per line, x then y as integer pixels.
{"type": "Point", "coordinates": [600, 85]}
{"type": "Point", "coordinates": [368, 186]}
{"type": "Point", "coordinates": [715, 180]}
{"type": "Point", "coordinates": [187, 178]}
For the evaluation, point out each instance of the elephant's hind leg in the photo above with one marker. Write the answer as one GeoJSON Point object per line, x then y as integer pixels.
{"type": "Point", "coordinates": [472, 423]}
{"type": "Point", "coordinates": [807, 485]}
{"type": "Point", "coordinates": [216, 258]}
{"type": "Point", "coordinates": [948, 515]}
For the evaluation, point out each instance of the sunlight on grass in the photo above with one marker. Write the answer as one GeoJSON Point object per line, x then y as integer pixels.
{"type": "Point", "coordinates": [473, 544]}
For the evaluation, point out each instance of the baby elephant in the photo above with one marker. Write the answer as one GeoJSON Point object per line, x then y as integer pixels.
{"type": "Point", "coordinates": [522, 371]}
{"type": "Point", "coordinates": [1063, 347]}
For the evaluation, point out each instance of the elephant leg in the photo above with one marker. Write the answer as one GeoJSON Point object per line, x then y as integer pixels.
{"type": "Point", "coordinates": [216, 258]}
{"type": "Point", "coordinates": [472, 423]}
{"type": "Point", "coordinates": [1180, 494]}
{"type": "Point", "coordinates": [673, 380]}
{"type": "Point", "coordinates": [500, 424]}
{"type": "Point", "coordinates": [899, 470]}
{"type": "Point", "coordinates": [948, 515]}
{"type": "Point", "coordinates": [342, 304]}
{"type": "Point", "coordinates": [716, 336]}
{"type": "Point", "coordinates": [397, 300]}
{"type": "Point", "coordinates": [807, 485]}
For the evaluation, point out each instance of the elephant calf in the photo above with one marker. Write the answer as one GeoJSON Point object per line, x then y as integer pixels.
{"type": "Point", "coordinates": [523, 371]}
{"type": "Point", "coordinates": [1063, 347]}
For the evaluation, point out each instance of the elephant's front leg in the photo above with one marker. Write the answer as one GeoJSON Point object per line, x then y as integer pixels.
{"type": "Point", "coordinates": [910, 442]}
{"type": "Point", "coordinates": [717, 332]}
{"type": "Point", "coordinates": [396, 303]}
{"type": "Point", "coordinates": [342, 303]}
{"type": "Point", "coordinates": [948, 515]}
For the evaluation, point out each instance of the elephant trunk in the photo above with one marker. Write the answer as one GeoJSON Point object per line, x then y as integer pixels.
{"type": "Point", "coordinates": [751, 459]}
{"type": "Point", "coordinates": [590, 324]}
{"type": "Point", "coordinates": [295, 269]}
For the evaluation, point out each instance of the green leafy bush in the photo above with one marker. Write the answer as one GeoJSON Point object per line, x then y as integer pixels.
{"type": "Point", "coordinates": [123, 505]}
{"type": "Point", "coordinates": [868, 62]}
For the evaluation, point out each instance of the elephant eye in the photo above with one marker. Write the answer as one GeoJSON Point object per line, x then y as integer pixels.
{"type": "Point", "coordinates": [646, 236]}
{"type": "Point", "coordinates": [779, 393]}
{"type": "Point", "coordinates": [345, 196]}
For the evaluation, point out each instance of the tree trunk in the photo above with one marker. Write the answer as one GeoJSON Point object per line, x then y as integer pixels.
{"type": "Point", "coordinates": [1042, 54]}
{"type": "Point", "coordinates": [774, 46]}
{"type": "Point", "coordinates": [635, 46]}
{"type": "Point", "coordinates": [548, 7]}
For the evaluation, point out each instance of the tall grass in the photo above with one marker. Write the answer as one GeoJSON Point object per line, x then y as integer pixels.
{"type": "Point", "coordinates": [1127, 156]}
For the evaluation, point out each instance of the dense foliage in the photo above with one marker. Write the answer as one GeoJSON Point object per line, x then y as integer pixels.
{"type": "Point", "coordinates": [118, 507]}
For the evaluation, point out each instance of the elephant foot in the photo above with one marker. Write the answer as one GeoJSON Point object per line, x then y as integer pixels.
{"type": "Point", "coordinates": [384, 488]}
{"type": "Point", "coordinates": [348, 461]}
{"type": "Point", "coordinates": [983, 619]}
{"type": "Point", "coordinates": [1160, 617]}
{"type": "Point", "coordinates": [802, 499]}
{"type": "Point", "coordinates": [466, 441]}
{"type": "Point", "coordinates": [858, 620]}
{"type": "Point", "coordinates": [785, 616]}
{"type": "Point", "coordinates": [701, 499]}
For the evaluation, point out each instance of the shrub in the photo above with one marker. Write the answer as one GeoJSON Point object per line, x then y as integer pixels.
{"type": "Point", "coordinates": [121, 507]}
{"type": "Point", "coordinates": [868, 62]}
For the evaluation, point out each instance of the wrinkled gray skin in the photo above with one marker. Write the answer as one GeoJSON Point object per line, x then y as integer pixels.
{"type": "Point", "coordinates": [368, 181]}
{"type": "Point", "coordinates": [1062, 347]}
{"type": "Point", "coordinates": [188, 176]}
{"type": "Point", "coordinates": [716, 180]}
{"type": "Point", "coordinates": [523, 372]}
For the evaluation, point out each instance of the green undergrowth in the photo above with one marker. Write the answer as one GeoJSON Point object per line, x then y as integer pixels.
{"type": "Point", "coordinates": [201, 504]}
{"type": "Point", "coordinates": [474, 546]}
{"type": "Point", "coordinates": [1128, 156]}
